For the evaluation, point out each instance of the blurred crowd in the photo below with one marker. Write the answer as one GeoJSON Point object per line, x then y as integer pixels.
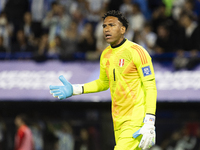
{"type": "Point", "coordinates": [44, 132]}
{"type": "Point", "coordinates": [72, 29]}
{"type": "Point", "coordinates": [85, 131]}
{"type": "Point", "coordinates": [182, 132]}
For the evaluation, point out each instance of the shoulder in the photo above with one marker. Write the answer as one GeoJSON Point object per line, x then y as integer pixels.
{"type": "Point", "coordinates": [106, 52]}
{"type": "Point", "coordinates": [106, 49]}
{"type": "Point", "coordinates": [138, 52]}
{"type": "Point", "coordinates": [134, 47]}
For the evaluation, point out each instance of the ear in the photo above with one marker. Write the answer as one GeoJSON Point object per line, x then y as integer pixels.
{"type": "Point", "coordinates": [123, 30]}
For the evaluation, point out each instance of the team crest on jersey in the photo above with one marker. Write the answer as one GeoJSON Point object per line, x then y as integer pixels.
{"type": "Point", "coordinates": [146, 71]}
{"type": "Point", "coordinates": [121, 62]}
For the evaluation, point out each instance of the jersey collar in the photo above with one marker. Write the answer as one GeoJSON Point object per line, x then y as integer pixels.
{"type": "Point", "coordinates": [124, 40]}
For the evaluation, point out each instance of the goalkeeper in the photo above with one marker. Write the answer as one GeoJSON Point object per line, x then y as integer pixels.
{"type": "Point", "coordinates": [126, 68]}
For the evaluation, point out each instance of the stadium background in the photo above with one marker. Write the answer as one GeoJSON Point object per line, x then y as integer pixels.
{"type": "Point", "coordinates": [35, 51]}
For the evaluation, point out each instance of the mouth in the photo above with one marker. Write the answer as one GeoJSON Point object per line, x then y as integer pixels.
{"type": "Point", "coordinates": [108, 36]}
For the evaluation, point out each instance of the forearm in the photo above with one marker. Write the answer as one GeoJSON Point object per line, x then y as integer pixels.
{"type": "Point", "coordinates": [151, 96]}
{"type": "Point", "coordinates": [95, 86]}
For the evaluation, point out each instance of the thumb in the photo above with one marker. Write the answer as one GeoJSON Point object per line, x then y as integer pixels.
{"type": "Point", "coordinates": [63, 80]}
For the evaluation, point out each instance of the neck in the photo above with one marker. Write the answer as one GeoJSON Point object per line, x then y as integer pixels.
{"type": "Point", "coordinates": [117, 45]}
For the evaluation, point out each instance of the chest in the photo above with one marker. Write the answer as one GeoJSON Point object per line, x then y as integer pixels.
{"type": "Point", "coordinates": [119, 66]}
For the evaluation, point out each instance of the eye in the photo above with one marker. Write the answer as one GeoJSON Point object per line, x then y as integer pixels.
{"type": "Point", "coordinates": [104, 26]}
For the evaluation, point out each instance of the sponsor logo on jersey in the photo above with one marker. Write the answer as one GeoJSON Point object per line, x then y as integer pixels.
{"type": "Point", "coordinates": [146, 71]}
{"type": "Point", "coordinates": [107, 63]}
{"type": "Point", "coordinates": [121, 62]}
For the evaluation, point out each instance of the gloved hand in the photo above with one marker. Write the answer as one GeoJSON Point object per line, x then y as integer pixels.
{"type": "Point", "coordinates": [62, 92]}
{"type": "Point", "coordinates": [67, 90]}
{"type": "Point", "coordinates": [148, 132]}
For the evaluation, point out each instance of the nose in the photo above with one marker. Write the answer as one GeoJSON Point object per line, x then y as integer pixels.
{"type": "Point", "coordinates": [106, 29]}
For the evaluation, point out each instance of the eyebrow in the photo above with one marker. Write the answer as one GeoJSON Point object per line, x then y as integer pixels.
{"type": "Point", "coordinates": [109, 23]}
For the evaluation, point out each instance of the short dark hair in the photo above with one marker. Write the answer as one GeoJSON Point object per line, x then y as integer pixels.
{"type": "Point", "coordinates": [119, 15]}
{"type": "Point", "coordinates": [188, 15]}
{"type": "Point", "coordinates": [23, 118]}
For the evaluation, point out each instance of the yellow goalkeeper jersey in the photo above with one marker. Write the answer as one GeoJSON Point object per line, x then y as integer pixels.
{"type": "Point", "coordinates": [128, 71]}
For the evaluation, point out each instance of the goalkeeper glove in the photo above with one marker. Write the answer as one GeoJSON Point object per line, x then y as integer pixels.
{"type": "Point", "coordinates": [148, 132]}
{"type": "Point", "coordinates": [67, 90]}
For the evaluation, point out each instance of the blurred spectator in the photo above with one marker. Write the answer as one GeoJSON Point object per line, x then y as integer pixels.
{"type": "Point", "coordinates": [37, 128]}
{"type": "Point", "coordinates": [172, 140]}
{"type": "Point", "coordinates": [180, 61]}
{"type": "Point", "coordinates": [101, 43]}
{"type": "Point", "coordinates": [32, 30]}
{"type": "Point", "coordinates": [50, 139]}
{"type": "Point", "coordinates": [129, 34]}
{"type": "Point", "coordinates": [148, 38]}
{"type": "Point", "coordinates": [42, 49]}
{"type": "Point", "coordinates": [126, 8]}
{"type": "Point", "coordinates": [137, 19]}
{"type": "Point", "coordinates": [188, 43]}
{"type": "Point", "coordinates": [23, 137]}
{"type": "Point", "coordinates": [182, 139]}
{"type": "Point", "coordinates": [87, 41]}
{"type": "Point", "coordinates": [15, 10]}
{"type": "Point", "coordinates": [94, 137]}
{"type": "Point", "coordinates": [55, 48]}
{"type": "Point", "coordinates": [65, 135]}
{"type": "Point", "coordinates": [56, 21]}
{"type": "Point", "coordinates": [177, 8]}
{"type": "Point", "coordinates": [84, 142]}
{"type": "Point", "coordinates": [188, 7]}
{"type": "Point", "coordinates": [78, 7]}
{"type": "Point", "coordinates": [78, 13]}
{"type": "Point", "coordinates": [6, 30]}
{"type": "Point", "coordinates": [66, 4]}
{"type": "Point", "coordinates": [192, 7]}
{"type": "Point", "coordinates": [22, 45]}
{"type": "Point", "coordinates": [37, 136]}
{"type": "Point", "coordinates": [69, 42]}
{"type": "Point", "coordinates": [144, 8]}
{"type": "Point", "coordinates": [94, 8]}
{"type": "Point", "coordinates": [2, 134]}
{"type": "Point", "coordinates": [2, 48]}
{"type": "Point", "coordinates": [39, 9]}
{"type": "Point", "coordinates": [191, 36]}
{"type": "Point", "coordinates": [159, 17]}
{"type": "Point", "coordinates": [2, 5]}
{"type": "Point", "coordinates": [164, 42]}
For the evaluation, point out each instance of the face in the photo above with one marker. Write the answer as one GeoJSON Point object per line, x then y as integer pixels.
{"type": "Point", "coordinates": [27, 17]}
{"type": "Point", "coordinates": [113, 30]}
{"type": "Point", "coordinates": [162, 31]}
{"type": "Point", "coordinates": [185, 21]}
{"type": "Point", "coordinates": [17, 121]}
{"type": "Point", "coordinates": [20, 35]}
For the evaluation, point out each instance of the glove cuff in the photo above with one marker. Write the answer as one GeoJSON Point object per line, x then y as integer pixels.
{"type": "Point", "coordinates": [149, 119]}
{"type": "Point", "coordinates": [77, 89]}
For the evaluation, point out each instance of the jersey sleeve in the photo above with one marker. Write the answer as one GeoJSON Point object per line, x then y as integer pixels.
{"type": "Point", "coordinates": [100, 84]}
{"type": "Point", "coordinates": [144, 65]}
{"type": "Point", "coordinates": [143, 62]}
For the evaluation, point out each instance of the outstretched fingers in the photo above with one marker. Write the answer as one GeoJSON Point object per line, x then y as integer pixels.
{"type": "Point", "coordinates": [54, 87]}
{"type": "Point", "coordinates": [63, 80]}
{"type": "Point", "coordinates": [54, 91]}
